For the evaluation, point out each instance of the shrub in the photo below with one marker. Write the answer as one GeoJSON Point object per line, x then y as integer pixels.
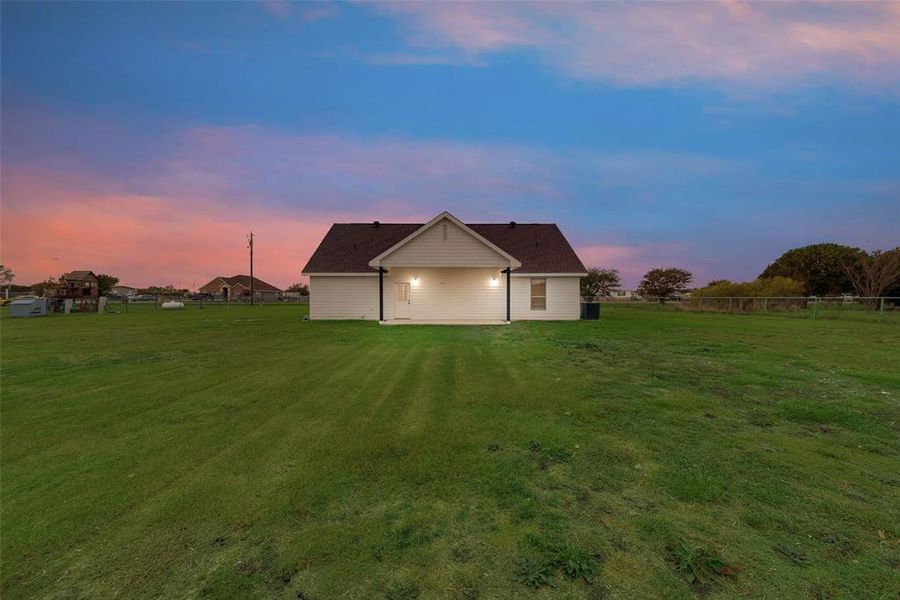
{"type": "Point", "coordinates": [770, 286]}
{"type": "Point", "coordinates": [718, 293]}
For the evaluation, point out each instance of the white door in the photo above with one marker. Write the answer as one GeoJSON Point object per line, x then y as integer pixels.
{"type": "Point", "coordinates": [401, 300]}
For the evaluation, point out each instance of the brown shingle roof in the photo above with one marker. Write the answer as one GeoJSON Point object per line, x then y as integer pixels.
{"type": "Point", "coordinates": [348, 247]}
{"type": "Point", "coordinates": [78, 275]}
{"type": "Point", "coordinates": [258, 284]}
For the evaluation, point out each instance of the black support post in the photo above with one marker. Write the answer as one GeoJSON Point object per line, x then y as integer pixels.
{"type": "Point", "coordinates": [508, 271]}
{"type": "Point", "coordinates": [381, 293]}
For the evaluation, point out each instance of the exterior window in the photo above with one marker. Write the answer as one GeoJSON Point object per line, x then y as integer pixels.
{"type": "Point", "coordinates": [538, 293]}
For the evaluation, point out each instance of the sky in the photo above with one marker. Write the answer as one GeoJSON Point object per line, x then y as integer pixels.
{"type": "Point", "coordinates": [145, 140]}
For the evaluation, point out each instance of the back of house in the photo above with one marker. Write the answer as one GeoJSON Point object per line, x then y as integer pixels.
{"type": "Point", "coordinates": [444, 271]}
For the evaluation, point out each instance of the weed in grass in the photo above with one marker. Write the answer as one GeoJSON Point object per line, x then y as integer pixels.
{"type": "Point", "coordinates": [534, 572]}
{"type": "Point", "coordinates": [761, 419]}
{"type": "Point", "coordinates": [575, 562]}
{"type": "Point", "coordinates": [398, 452]}
{"type": "Point", "coordinates": [891, 481]}
{"type": "Point", "coordinates": [795, 556]}
{"type": "Point", "coordinates": [840, 546]}
{"type": "Point", "coordinates": [526, 510]}
{"type": "Point", "coordinates": [700, 566]}
{"type": "Point", "coordinates": [286, 576]}
{"type": "Point", "coordinates": [461, 554]}
{"type": "Point", "coordinates": [817, 592]}
{"type": "Point", "coordinates": [589, 345]}
{"type": "Point", "coordinates": [402, 591]}
{"type": "Point", "coordinates": [469, 591]}
{"type": "Point", "coordinates": [246, 567]}
{"type": "Point", "coordinates": [548, 455]}
{"type": "Point", "coordinates": [827, 453]}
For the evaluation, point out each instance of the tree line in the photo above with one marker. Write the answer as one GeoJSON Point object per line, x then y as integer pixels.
{"type": "Point", "coordinates": [106, 282]}
{"type": "Point", "coordinates": [826, 269]}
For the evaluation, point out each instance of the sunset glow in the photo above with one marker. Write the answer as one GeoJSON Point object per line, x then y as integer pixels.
{"type": "Point", "coordinates": [148, 139]}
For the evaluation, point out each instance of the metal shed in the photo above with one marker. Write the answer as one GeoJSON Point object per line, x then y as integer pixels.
{"type": "Point", "coordinates": [29, 307]}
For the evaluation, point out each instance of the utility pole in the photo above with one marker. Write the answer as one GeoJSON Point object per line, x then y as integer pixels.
{"type": "Point", "coordinates": [250, 237]}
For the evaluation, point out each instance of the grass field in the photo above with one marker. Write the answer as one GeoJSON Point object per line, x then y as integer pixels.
{"type": "Point", "coordinates": [244, 452]}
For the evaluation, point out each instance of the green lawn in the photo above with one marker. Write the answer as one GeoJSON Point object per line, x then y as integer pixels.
{"type": "Point", "coordinates": [244, 452]}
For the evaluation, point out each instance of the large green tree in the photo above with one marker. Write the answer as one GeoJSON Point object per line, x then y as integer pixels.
{"type": "Point", "coordinates": [600, 282]}
{"type": "Point", "coordinates": [821, 268]}
{"type": "Point", "coordinates": [106, 282]}
{"type": "Point", "coordinates": [302, 288]}
{"type": "Point", "coordinates": [6, 278]}
{"type": "Point", "coordinates": [39, 288]}
{"type": "Point", "coordinates": [664, 283]}
{"type": "Point", "coordinates": [874, 273]}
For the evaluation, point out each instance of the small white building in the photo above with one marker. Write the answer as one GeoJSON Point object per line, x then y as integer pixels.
{"type": "Point", "coordinates": [444, 271]}
{"type": "Point", "coordinates": [123, 290]}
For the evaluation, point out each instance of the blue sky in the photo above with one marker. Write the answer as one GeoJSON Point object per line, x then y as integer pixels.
{"type": "Point", "coordinates": [707, 136]}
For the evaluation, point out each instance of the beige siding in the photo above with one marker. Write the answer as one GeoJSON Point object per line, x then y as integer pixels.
{"type": "Point", "coordinates": [430, 249]}
{"type": "Point", "coordinates": [563, 299]}
{"type": "Point", "coordinates": [470, 293]}
{"type": "Point", "coordinates": [442, 294]}
{"type": "Point", "coordinates": [351, 297]}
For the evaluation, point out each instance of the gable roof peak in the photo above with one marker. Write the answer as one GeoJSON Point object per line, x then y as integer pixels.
{"type": "Point", "coordinates": [513, 261]}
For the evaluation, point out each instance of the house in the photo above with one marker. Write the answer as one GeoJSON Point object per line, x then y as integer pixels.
{"type": "Point", "coordinates": [123, 290]}
{"type": "Point", "coordinates": [237, 288]}
{"type": "Point", "coordinates": [444, 271]}
{"type": "Point", "coordinates": [624, 295]}
{"type": "Point", "coordinates": [79, 290]}
{"type": "Point", "coordinates": [76, 285]}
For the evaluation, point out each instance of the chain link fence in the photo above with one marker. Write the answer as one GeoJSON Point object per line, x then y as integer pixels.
{"type": "Point", "coordinates": [153, 302]}
{"type": "Point", "coordinates": [877, 309]}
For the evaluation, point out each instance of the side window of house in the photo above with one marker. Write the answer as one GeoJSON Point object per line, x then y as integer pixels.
{"type": "Point", "coordinates": [538, 293]}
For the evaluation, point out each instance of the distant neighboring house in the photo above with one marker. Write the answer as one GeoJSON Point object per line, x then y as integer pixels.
{"type": "Point", "coordinates": [444, 271]}
{"type": "Point", "coordinates": [237, 288]}
{"type": "Point", "coordinates": [123, 290]}
{"type": "Point", "coordinates": [625, 295]}
{"type": "Point", "coordinates": [76, 285]}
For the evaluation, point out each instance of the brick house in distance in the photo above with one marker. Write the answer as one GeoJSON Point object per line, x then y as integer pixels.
{"type": "Point", "coordinates": [237, 289]}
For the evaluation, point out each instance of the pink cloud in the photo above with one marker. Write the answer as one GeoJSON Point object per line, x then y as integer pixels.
{"type": "Point", "coordinates": [52, 225]}
{"type": "Point", "coordinates": [286, 10]}
{"type": "Point", "coordinates": [761, 45]}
